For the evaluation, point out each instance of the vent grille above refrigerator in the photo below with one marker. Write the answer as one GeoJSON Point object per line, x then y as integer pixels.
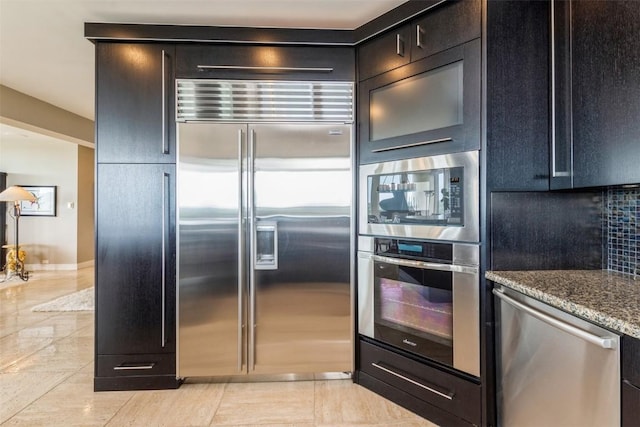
{"type": "Point", "coordinates": [263, 101]}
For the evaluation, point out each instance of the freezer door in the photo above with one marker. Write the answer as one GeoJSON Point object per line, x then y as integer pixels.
{"type": "Point", "coordinates": [211, 242]}
{"type": "Point", "coordinates": [300, 302]}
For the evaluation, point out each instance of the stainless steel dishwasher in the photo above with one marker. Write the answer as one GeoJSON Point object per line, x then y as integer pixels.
{"type": "Point", "coordinates": [553, 368]}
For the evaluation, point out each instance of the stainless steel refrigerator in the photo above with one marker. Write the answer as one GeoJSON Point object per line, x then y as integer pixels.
{"type": "Point", "coordinates": [264, 226]}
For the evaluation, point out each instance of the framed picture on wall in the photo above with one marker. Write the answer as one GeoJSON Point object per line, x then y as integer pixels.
{"type": "Point", "coordinates": [45, 203]}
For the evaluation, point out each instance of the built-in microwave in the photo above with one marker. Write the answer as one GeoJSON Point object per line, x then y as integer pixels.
{"type": "Point", "coordinates": [430, 106]}
{"type": "Point", "coordinates": [435, 197]}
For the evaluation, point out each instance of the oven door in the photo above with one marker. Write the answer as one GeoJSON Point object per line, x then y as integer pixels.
{"type": "Point", "coordinates": [428, 309]}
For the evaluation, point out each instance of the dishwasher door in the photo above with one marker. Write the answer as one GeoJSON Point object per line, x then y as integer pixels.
{"type": "Point", "coordinates": [553, 368]}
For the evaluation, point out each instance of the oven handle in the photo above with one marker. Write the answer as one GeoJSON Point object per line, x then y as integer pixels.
{"type": "Point", "coordinates": [427, 265]}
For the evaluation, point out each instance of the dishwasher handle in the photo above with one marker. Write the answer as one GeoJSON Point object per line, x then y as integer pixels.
{"type": "Point", "coordinates": [604, 342]}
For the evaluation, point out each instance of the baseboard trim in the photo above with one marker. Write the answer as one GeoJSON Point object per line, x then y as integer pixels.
{"type": "Point", "coordinates": [156, 382]}
{"type": "Point", "coordinates": [59, 267]}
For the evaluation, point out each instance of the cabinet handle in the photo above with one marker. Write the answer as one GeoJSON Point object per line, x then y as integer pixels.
{"type": "Point", "coordinates": [555, 173]}
{"type": "Point", "coordinates": [165, 205]}
{"type": "Point", "coordinates": [268, 69]}
{"type": "Point", "coordinates": [399, 45]}
{"type": "Point", "coordinates": [603, 342]}
{"type": "Point", "coordinates": [165, 144]}
{"type": "Point", "coordinates": [419, 36]}
{"type": "Point", "coordinates": [415, 144]}
{"type": "Point", "coordinates": [448, 396]}
{"type": "Point", "coordinates": [133, 367]}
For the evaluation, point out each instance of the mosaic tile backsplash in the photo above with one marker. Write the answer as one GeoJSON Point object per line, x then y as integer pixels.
{"type": "Point", "coordinates": [622, 230]}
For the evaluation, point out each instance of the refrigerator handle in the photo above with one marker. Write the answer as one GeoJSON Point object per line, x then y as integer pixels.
{"type": "Point", "coordinates": [241, 257]}
{"type": "Point", "coordinates": [252, 275]}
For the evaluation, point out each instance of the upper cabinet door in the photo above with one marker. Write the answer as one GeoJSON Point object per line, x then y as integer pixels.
{"type": "Point", "coordinates": [251, 62]}
{"type": "Point", "coordinates": [447, 25]}
{"type": "Point", "coordinates": [134, 103]}
{"type": "Point", "coordinates": [596, 93]}
{"type": "Point", "coordinates": [384, 53]}
{"type": "Point", "coordinates": [606, 92]}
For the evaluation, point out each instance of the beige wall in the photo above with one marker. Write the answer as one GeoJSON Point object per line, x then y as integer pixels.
{"type": "Point", "coordinates": [85, 204]}
{"type": "Point", "coordinates": [26, 112]}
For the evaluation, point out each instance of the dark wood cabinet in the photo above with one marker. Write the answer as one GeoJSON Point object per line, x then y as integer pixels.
{"type": "Point", "coordinates": [135, 276]}
{"type": "Point", "coordinates": [428, 107]}
{"type": "Point", "coordinates": [517, 97]}
{"type": "Point", "coordinates": [384, 53]}
{"type": "Point", "coordinates": [430, 392]}
{"type": "Point", "coordinates": [306, 63]}
{"type": "Point", "coordinates": [135, 119]}
{"type": "Point", "coordinates": [596, 98]}
{"type": "Point", "coordinates": [447, 25]}
{"type": "Point", "coordinates": [420, 86]}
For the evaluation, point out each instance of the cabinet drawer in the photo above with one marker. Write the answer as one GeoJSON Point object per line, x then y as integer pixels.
{"type": "Point", "coordinates": [439, 388]}
{"type": "Point", "coordinates": [135, 365]}
{"type": "Point", "coordinates": [265, 62]}
{"type": "Point", "coordinates": [446, 26]}
{"type": "Point", "coordinates": [384, 53]}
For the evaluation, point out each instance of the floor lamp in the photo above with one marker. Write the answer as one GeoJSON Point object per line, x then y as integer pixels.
{"type": "Point", "coordinates": [17, 194]}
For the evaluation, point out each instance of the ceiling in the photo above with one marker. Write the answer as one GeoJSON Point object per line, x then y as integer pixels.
{"type": "Point", "coordinates": [43, 52]}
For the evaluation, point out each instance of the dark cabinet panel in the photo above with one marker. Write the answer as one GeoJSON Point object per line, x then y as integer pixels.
{"type": "Point", "coordinates": [517, 95]}
{"type": "Point", "coordinates": [630, 405]}
{"type": "Point", "coordinates": [606, 92]}
{"type": "Point", "coordinates": [430, 117]}
{"type": "Point", "coordinates": [596, 54]}
{"type": "Point", "coordinates": [384, 53]}
{"type": "Point", "coordinates": [441, 389]}
{"type": "Point", "coordinates": [447, 25]}
{"type": "Point", "coordinates": [630, 381]}
{"type": "Point", "coordinates": [135, 265]}
{"type": "Point", "coordinates": [631, 360]}
{"type": "Point", "coordinates": [135, 121]}
{"type": "Point", "coordinates": [223, 61]}
{"type": "Point", "coordinates": [546, 231]}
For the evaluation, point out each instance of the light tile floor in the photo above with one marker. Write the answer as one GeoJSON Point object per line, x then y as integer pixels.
{"type": "Point", "coordinates": [46, 379]}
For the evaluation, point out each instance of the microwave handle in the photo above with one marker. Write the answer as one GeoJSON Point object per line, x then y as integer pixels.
{"type": "Point", "coordinates": [427, 265]}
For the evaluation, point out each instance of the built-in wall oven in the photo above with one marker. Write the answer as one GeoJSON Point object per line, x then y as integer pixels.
{"type": "Point", "coordinates": [418, 257]}
{"type": "Point", "coordinates": [421, 297]}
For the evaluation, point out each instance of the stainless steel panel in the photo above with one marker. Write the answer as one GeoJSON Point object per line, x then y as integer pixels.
{"type": "Point", "coordinates": [470, 232]}
{"type": "Point", "coordinates": [547, 376]}
{"type": "Point", "coordinates": [302, 181]}
{"type": "Point", "coordinates": [366, 320]}
{"type": "Point", "coordinates": [466, 322]}
{"type": "Point", "coordinates": [210, 332]}
{"type": "Point", "coordinates": [264, 100]}
{"type": "Point", "coordinates": [365, 243]}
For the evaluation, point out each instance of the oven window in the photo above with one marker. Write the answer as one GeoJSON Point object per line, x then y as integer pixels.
{"type": "Point", "coordinates": [413, 310]}
{"type": "Point", "coordinates": [428, 311]}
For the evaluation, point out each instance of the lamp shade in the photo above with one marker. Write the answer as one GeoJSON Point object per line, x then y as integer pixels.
{"type": "Point", "coordinates": [16, 193]}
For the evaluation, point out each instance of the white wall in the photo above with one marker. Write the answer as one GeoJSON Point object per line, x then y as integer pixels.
{"type": "Point", "coordinates": [40, 160]}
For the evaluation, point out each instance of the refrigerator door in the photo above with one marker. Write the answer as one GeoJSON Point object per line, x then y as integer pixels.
{"type": "Point", "coordinates": [300, 210]}
{"type": "Point", "coordinates": [211, 247]}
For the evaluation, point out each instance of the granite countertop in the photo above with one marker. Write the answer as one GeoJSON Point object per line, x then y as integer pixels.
{"type": "Point", "coordinates": [603, 297]}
